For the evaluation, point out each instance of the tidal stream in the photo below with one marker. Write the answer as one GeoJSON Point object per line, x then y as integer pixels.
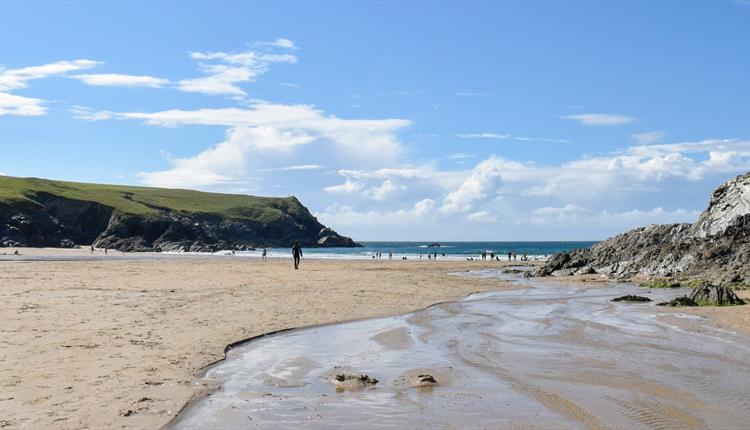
{"type": "Point", "coordinates": [550, 355]}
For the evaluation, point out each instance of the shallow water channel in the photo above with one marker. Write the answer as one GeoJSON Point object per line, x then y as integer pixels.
{"type": "Point", "coordinates": [547, 356]}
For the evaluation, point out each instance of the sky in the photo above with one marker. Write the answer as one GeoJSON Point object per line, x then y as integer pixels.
{"type": "Point", "coordinates": [393, 120]}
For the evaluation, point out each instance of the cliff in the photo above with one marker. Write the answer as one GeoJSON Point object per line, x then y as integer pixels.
{"type": "Point", "coordinates": [714, 248]}
{"type": "Point", "coordinates": [39, 212]}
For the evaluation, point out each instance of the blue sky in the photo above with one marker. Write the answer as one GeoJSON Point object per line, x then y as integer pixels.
{"type": "Point", "coordinates": [391, 121]}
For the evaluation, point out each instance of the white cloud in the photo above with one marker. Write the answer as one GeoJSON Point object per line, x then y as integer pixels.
{"type": "Point", "coordinates": [482, 136]}
{"type": "Point", "coordinates": [226, 70]}
{"type": "Point", "coordinates": [386, 189]}
{"type": "Point", "coordinates": [226, 162]}
{"type": "Point", "coordinates": [499, 136]}
{"type": "Point", "coordinates": [346, 216]}
{"type": "Point", "coordinates": [649, 137]}
{"type": "Point", "coordinates": [278, 43]}
{"type": "Point", "coordinates": [15, 79]}
{"type": "Point", "coordinates": [294, 168]}
{"type": "Point", "coordinates": [482, 184]}
{"type": "Point", "coordinates": [575, 217]}
{"type": "Point", "coordinates": [11, 104]}
{"type": "Point", "coordinates": [424, 207]}
{"type": "Point", "coordinates": [284, 43]}
{"type": "Point", "coordinates": [460, 156]}
{"type": "Point", "coordinates": [600, 119]}
{"type": "Point", "coordinates": [356, 139]}
{"type": "Point", "coordinates": [481, 217]}
{"type": "Point", "coordinates": [289, 85]}
{"type": "Point", "coordinates": [85, 113]}
{"type": "Point", "coordinates": [540, 139]}
{"type": "Point", "coordinates": [347, 187]}
{"type": "Point", "coordinates": [120, 80]}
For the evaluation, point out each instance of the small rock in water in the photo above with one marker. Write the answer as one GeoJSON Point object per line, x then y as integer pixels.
{"type": "Point", "coordinates": [426, 380]}
{"type": "Point", "coordinates": [631, 298]}
{"type": "Point", "coordinates": [364, 379]}
{"type": "Point", "coordinates": [679, 301]}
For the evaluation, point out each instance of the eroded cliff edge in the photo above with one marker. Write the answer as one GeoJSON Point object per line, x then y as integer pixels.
{"type": "Point", "coordinates": [38, 212]}
{"type": "Point", "coordinates": [715, 248]}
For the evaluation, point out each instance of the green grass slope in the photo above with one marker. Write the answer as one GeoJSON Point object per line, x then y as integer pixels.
{"type": "Point", "coordinates": [147, 201]}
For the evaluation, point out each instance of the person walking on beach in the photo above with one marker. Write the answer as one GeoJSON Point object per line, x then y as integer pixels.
{"type": "Point", "coordinates": [510, 254]}
{"type": "Point", "coordinates": [297, 254]}
{"type": "Point", "coordinates": [263, 256]}
{"type": "Point", "coordinates": [92, 249]}
{"type": "Point", "coordinates": [106, 248]}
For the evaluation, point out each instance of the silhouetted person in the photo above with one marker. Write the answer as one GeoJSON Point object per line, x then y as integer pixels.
{"type": "Point", "coordinates": [106, 248]}
{"type": "Point", "coordinates": [510, 255]}
{"type": "Point", "coordinates": [92, 249]}
{"type": "Point", "coordinates": [263, 256]}
{"type": "Point", "coordinates": [297, 254]}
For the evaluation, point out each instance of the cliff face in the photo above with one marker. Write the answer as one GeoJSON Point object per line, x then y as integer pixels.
{"type": "Point", "coordinates": [45, 213]}
{"type": "Point", "coordinates": [716, 247]}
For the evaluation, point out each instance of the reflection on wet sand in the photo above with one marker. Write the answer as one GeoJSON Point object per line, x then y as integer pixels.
{"type": "Point", "coordinates": [547, 356]}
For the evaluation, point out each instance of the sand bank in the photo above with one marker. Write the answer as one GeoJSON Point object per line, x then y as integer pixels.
{"type": "Point", "coordinates": [116, 342]}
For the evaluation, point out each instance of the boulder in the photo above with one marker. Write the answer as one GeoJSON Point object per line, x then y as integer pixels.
{"type": "Point", "coordinates": [715, 295]}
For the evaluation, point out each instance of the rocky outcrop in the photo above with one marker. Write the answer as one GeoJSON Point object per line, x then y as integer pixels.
{"type": "Point", "coordinates": [707, 295]}
{"type": "Point", "coordinates": [715, 248]}
{"type": "Point", "coordinates": [49, 220]}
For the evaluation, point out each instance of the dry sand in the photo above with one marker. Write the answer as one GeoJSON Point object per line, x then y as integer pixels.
{"type": "Point", "coordinates": [117, 343]}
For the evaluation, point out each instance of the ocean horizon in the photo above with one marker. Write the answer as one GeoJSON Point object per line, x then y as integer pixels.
{"type": "Point", "coordinates": [420, 249]}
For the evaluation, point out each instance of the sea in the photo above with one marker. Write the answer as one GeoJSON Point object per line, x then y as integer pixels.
{"type": "Point", "coordinates": [416, 250]}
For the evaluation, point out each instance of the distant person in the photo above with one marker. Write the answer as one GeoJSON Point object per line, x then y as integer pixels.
{"type": "Point", "coordinates": [484, 255]}
{"type": "Point", "coordinates": [106, 248]}
{"type": "Point", "coordinates": [92, 249]}
{"type": "Point", "coordinates": [390, 255]}
{"type": "Point", "coordinates": [297, 254]}
{"type": "Point", "coordinates": [515, 256]}
{"type": "Point", "coordinates": [435, 256]}
{"type": "Point", "coordinates": [510, 255]}
{"type": "Point", "coordinates": [263, 255]}
{"type": "Point", "coordinates": [492, 256]}
{"type": "Point", "coordinates": [429, 256]}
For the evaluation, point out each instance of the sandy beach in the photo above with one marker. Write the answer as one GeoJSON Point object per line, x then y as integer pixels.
{"type": "Point", "coordinates": [116, 342]}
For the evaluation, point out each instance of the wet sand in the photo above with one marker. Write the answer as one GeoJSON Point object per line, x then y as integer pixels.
{"type": "Point", "coordinates": [553, 355]}
{"type": "Point", "coordinates": [117, 341]}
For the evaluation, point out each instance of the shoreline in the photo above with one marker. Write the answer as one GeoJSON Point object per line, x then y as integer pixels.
{"type": "Point", "coordinates": [119, 343]}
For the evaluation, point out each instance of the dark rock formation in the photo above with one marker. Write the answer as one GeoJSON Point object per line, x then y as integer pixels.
{"type": "Point", "coordinates": [50, 220]}
{"type": "Point", "coordinates": [715, 295]}
{"type": "Point", "coordinates": [631, 298]}
{"type": "Point", "coordinates": [715, 248]}
{"type": "Point", "coordinates": [707, 295]}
